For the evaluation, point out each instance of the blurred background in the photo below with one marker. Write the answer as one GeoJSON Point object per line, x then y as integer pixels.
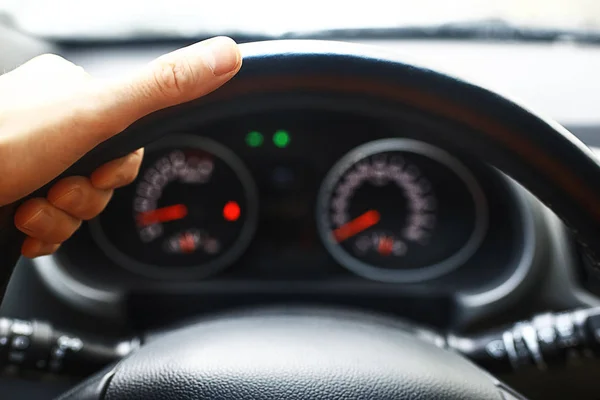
{"type": "Point", "coordinates": [59, 18]}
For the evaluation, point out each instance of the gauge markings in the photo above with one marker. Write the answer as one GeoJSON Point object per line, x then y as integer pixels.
{"type": "Point", "coordinates": [192, 212]}
{"type": "Point", "coordinates": [430, 206]}
{"type": "Point", "coordinates": [380, 171]}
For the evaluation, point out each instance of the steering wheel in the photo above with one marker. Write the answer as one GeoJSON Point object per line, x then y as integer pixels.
{"type": "Point", "coordinates": [303, 353]}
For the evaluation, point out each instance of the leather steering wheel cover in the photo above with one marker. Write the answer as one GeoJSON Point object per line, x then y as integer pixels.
{"type": "Point", "coordinates": [297, 354]}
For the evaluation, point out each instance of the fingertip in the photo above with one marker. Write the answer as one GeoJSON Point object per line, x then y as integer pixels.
{"type": "Point", "coordinates": [33, 248]}
{"type": "Point", "coordinates": [222, 55]}
{"type": "Point", "coordinates": [174, 78]}
{"type": "Point", "coordinates": [118, 173]}
{"type": "Point", "coordinates": [30, 247]}
{"type": "Point", "coordinates": [140, 154]}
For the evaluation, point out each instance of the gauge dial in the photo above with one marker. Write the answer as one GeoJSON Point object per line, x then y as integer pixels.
{"type": "Point", "coordinates": [193, 211]}
{"type": "Point", "coordinates": [400, 210]}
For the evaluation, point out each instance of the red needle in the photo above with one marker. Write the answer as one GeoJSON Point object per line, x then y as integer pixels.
{"type": "Point", "coordinates": [356, 226]}
{"type": "Point", "coordinates": [164, 214]}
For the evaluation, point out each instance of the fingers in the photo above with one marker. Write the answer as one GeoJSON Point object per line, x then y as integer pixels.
{"type": "Point", "coordinates": [48, 222]}
{"type": "Point", "coordinates": [39, 219]}
{"type": "Point", "coordinates": [35, 248]}
{"type": "Point", "coordinates": [117, 173]}
{"type": "Point", "coordinates": [77, 197]}
{"type": "Point", "coordinates": [174, 78]}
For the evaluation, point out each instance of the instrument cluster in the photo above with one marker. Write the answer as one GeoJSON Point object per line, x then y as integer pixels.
{"type": "Point", "coordinates": [305, 196]}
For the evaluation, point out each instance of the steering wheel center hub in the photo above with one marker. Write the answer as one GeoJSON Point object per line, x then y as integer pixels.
{"type": "Point", "coordinates": [297, 354]}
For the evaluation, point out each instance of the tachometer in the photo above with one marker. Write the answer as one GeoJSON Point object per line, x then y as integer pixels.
{"type": "Point", "coordinates": [401, 210]}
{"type": "Point", "coordinates": [193, 211]}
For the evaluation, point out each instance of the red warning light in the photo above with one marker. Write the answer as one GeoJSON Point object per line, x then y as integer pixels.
{"type": "Point", "coordinates": [231, 211]}
{"type": "Point", "coordinates": [386, 245]}
{"type": "Point", "coordinates": [187, 244]}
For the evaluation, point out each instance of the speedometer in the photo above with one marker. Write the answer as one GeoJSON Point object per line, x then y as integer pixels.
{"type": "Point", "coordinates": [193, 211]}
{"type": "Point", "coordinates": [401, 210]}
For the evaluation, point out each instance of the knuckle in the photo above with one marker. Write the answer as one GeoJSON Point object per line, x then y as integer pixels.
{"type": "Point", "coordinates": [87, 112]}
{"type": "Point", "coordinates": [65, 233]}
{"type": "Point", "coordinates": [50, 59]}
{"type": "Point", "coordinates": [173, 78]}
{"type": "Point", "coordinates": [55, 64]}
{"type": "Point", "coordinates": [81, 211]}
{"type": "Point", "coordinates": [93, 208]}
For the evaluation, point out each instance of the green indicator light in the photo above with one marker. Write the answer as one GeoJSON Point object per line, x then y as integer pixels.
{"type": "Point", "coordinates": [281, 139]}
{"type": "Point", "coordinates": [254, 139]}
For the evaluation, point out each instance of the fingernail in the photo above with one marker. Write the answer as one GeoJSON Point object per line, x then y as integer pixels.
{"type": "Point", "coordinates": [70, 200]}
{"type": "Point", "coordinates": [41, 220]}
{"type": "Point", "coordinates": [223, 55]}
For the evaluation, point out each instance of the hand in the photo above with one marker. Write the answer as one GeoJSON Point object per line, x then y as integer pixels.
{"type": "Point", "coordinates": [52, 112]}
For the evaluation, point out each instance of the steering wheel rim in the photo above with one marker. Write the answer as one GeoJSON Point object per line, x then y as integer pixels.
{"type": "Point", "coordinates": [537, 152]}
{"type": "Point", "coordinates": [542, 156]}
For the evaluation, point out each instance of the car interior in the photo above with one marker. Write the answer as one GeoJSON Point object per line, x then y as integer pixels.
{"type": "Point", "coordinates": [408, 212]}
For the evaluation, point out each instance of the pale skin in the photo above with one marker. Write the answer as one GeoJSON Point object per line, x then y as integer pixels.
{"type": "Point", "coordinates": [52, 112]}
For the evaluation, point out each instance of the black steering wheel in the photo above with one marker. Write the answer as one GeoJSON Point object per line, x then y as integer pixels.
{"type": "Point", "coordinates": [317, 354]}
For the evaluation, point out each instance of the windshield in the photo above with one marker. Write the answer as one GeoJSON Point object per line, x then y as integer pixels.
{"type": "Point", "coordinates": [193, 18]}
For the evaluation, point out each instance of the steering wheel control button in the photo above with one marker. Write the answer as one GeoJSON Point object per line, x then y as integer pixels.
{"type": "Point", "coordinates": [496, 349]}
{"type": "Point", "coordinates": [21, 328]}
{"type": "Point", "coordinates": [4, 332]}
{"type": "Point", "coordinates": [521, 355]}
{"type": "Point", "coordinates": [72, 344]}
{"type": "Point", "coordinates": [65, 346]}
{"type": "Point", "coordinates": [566, 331]}
{"type": "Point", "coordinates": [547, 338]}
{"type": "Point", "coordinates": [20, 343]}
{"type": "Point", "coordinates": [489, 351]}
{"type": "Point", "coordinates": [547, 341]}
{"type": "Point", "coordinates": [37, 346]}
{"type": "Point", "coordinates": [591, 329]}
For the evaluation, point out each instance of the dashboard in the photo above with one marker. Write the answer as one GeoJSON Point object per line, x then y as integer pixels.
{"type": "Point", "coordinates": [308, 203]}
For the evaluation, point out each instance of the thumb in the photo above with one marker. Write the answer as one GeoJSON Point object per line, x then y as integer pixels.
{"type": "Point", "coordinates": [178, 77]}
{"type": "Point", "coordinates": [40, 141]}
